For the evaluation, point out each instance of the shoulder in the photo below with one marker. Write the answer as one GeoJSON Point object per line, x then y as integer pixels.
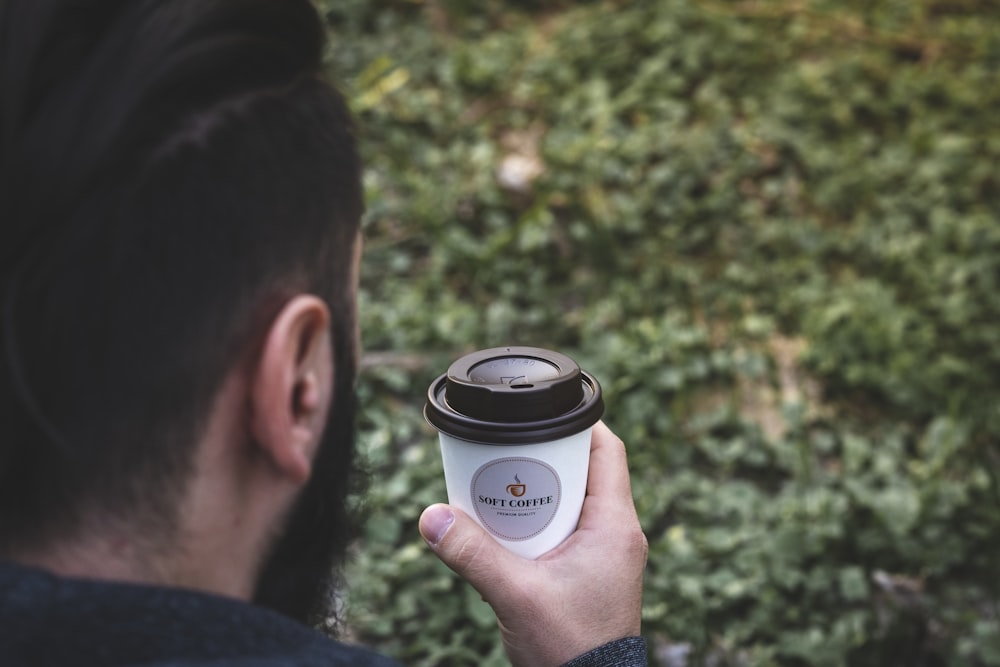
{"type": "Point", "coordinates": [50, 621]}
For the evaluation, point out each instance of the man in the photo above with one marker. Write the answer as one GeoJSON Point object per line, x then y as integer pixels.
{"type": "Point", "coordinates": [179, 205]}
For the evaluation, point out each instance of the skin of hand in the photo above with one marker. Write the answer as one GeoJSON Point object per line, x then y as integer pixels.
{"type": "Point", "coordinates": [582, 594]}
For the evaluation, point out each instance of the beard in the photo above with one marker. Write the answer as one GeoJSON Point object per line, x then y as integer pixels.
{"type": "Point", "coordinates": [299, 577]}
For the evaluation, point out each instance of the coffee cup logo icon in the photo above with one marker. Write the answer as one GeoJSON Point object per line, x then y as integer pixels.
{"type": "Point", "coordinates": [518, 488]}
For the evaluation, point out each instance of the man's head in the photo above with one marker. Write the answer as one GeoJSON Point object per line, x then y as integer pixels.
{"type": "Point", "coordinates": [173, 174]}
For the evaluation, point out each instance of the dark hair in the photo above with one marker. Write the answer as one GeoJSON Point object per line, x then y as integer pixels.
{"type": "Point", "coordinates": [170, 172]}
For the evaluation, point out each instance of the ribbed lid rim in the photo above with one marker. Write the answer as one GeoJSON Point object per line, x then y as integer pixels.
{"type": "Point", "coordinates": [444, 417]}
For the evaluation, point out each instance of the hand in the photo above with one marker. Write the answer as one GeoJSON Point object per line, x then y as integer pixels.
{"type": "Point", "coordinates": [582, 594]}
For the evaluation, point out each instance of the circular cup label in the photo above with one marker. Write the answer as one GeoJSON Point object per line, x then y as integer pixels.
{"type": "Point", "coordinates": [516, 498]}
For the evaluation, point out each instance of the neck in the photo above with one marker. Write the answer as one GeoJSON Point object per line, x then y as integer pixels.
{"type": "Point", "coordinates": [195, 558]}
{"type": "Point", "coordinates": [107, 554]}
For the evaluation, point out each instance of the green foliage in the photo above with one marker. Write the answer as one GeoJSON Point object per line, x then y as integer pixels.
{"type": "Point", "coordinates": [770, 229]}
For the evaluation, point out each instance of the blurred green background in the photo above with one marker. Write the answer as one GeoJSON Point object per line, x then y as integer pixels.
{"type": "Point", "coordinates": [771, 229]}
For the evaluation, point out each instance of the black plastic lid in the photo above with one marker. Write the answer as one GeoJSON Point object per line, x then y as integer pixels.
{"type": "Point", "coordinates": [513, 396]}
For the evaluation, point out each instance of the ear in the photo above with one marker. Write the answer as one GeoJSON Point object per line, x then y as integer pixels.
{"type": "Point", "coordinates": [291, 387]}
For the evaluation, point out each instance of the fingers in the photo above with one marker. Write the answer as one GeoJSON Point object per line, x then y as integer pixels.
{"type": "Point", "coordinates": [466, 548]}
{"type": "Point", "coordinates": [609, 490]}
{"type": "Point", "coordinates": [608, 475]}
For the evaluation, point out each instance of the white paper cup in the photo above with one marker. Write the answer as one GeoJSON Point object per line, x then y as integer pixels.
{"type": "Point", "coordinates": [528, 498]}
{"type": "Point", "coordinates": [514, 426]}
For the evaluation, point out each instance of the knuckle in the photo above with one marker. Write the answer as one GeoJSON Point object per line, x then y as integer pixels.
{"type": "Point", "coordinates": [633, 544]}
{"type": "Point", "coordinates": [638, 545]}
{"type": "Point", "coordinates": [467, 551]}
{"type": "Point", "coordinates": [470, 559]}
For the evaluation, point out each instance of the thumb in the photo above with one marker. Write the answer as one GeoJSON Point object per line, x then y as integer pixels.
{"type": "Point", "coordinates": [466, 548]}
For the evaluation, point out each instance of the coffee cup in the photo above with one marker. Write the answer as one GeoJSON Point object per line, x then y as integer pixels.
{"type": "Point", "coordinates": [514, 425]}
